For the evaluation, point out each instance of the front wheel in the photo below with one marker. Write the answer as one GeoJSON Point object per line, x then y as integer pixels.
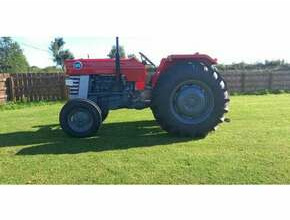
{"type": "Point", "coordinates": [104, 113]}
{"type": "Point", "coordinates": [80, 118]}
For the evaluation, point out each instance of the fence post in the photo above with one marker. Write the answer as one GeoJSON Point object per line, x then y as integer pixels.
{"type": "Point", "coordinates": [63, 87]}
{"type": "Point", "coordinates": [270, 83]}
{"type": "Point", "coordinates": [10, 89]}
{"type": "Point", "coordinates": [243, 79]}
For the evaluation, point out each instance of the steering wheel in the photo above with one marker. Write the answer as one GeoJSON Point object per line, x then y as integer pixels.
{"type": "Point", "coordinates": [145, 59]}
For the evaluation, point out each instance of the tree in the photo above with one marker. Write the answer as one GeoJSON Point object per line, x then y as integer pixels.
{"type": "Point", "coordinates": [12, 59]}
{"type": "Point", "coordinates": [113, 52]}
{"type": "Point", "coordinates": [34, 69]}
{"type": "Point", "coordinates": [59, 53]}
{"type": "Point", "coordinates": [132, 55]}
{"type": "Point", "coordinates": [48, 69]}
{"type": "Point", "coordinates": [52, 69]}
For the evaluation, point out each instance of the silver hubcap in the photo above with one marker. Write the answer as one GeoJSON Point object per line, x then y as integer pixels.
{"type": "Point", "coordinates": [80, 120]}
{"type": "Point", "coordinates": [192, 102]}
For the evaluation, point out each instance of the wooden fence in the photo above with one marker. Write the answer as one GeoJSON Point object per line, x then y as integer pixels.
{"type": "Point", "coordinates": [3, 88]}
{"type": "Point", "coordinates": [34, 87]}
{"type": "Point", "coordinates": [50, 86]}
{"type": "Point", "coordinates": [253, 81]}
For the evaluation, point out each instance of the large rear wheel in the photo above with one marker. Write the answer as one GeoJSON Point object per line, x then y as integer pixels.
{"type": "Point", "coordinates": [190, 99]}
{"type": "Point", "coordinates": [80, 118]}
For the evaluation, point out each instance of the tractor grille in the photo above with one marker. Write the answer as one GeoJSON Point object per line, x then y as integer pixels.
{"type": "Point", "coordinates": [74, 88]}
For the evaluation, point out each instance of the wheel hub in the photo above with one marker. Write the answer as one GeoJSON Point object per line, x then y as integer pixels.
{"type": "Point", "coordinates": [80, 120]}
{"type": "Point", "coordinates": [192, 102]}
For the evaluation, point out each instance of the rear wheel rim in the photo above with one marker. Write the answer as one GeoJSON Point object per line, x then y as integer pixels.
{"type": "Point", "coordinates": [192, 102]}
{"type": "Point", "coordinates": [80, 120]}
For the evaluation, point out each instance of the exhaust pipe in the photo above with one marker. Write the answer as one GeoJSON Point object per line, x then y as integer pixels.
{"type": "Point", "coordinates": [117, 61]}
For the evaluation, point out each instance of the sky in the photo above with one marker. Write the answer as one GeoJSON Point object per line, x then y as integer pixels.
{"type": "Point", "coordinates": [37, 53]}
{"type": "Point", "coordinates": [229, 30]}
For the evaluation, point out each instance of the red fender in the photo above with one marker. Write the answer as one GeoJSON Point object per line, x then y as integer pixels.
{"type": "Point", "coordinates": [167, 62]}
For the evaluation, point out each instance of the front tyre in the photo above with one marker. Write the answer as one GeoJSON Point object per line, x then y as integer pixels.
{"type": "Point", "coordinates": [80, 118]}
{"type": "Point", "coordinates": [104, 113]}
{"type": "Point", "coordinates": [190, 99]}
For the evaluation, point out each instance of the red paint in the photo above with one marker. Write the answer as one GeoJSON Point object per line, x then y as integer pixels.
{"type": "Point", "coordinates": [167, 62]}
{"type": "Point", "coordinates": [132, 69]}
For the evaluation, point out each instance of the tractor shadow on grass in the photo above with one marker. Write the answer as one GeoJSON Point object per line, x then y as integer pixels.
{"type": "Point", "coordinates": [50, 139]}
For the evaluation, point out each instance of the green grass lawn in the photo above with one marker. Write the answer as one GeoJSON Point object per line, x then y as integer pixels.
{"type": "Point", "coordinates": [254, 148]}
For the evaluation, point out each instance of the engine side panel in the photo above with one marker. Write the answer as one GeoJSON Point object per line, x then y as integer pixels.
{"type": "Point", "coordinates": [101, 90]}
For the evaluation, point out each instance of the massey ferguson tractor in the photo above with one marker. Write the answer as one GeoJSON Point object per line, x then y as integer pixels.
{"type": "Point", "coordinates": [187, 95]}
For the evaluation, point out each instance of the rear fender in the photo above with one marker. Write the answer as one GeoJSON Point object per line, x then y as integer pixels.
{"type": "Point", "coordinates": [173, 59]}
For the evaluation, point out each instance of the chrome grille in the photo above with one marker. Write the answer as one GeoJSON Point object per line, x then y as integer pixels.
{"type": "Point", "coordinates": [74, 89]}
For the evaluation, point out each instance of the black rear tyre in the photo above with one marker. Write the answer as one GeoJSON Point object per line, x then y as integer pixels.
{"type": "Point", "coordinates": [80, 118]}
{"type": "Point", "coordinates": [190, 99]}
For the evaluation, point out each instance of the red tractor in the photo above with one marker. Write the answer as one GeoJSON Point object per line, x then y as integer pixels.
{"type": "Point", "coordinates": [187, 95]}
